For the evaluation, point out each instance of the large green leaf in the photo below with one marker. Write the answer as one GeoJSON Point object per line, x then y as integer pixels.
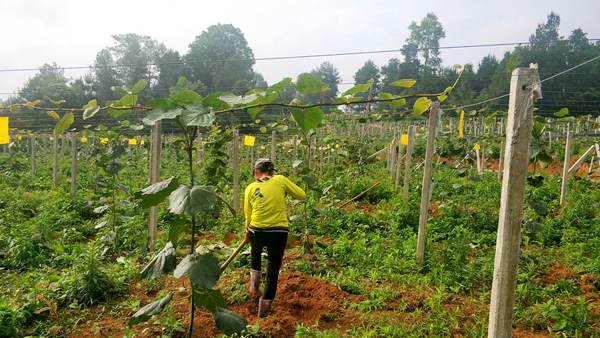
{"type": "Point", "coordinates": [197, 116]}
{"type": "Point", "coordinates": [307, 118]}
{"type": "Point", "coordinates": [202, 270]}
{"type": "Point", "coordinates": [149, 310]}
{"type": "Point", "coordinates": [562, 113]}
{"type": "Point", "coordinates": [161, 264]}
{"type": "Point", "coordinates": [210, 299]}
{"type": "Point", "coordinates": [186, 97]}
{"type": "Point", "coordinates": [54, 115]}
{"type": "Point", "coordinates": [235, 100]}
{"type": "Point", "coordinates": [359, 88]}
{"type": "Point", "coordinates": [159, 114]}
{"type": "Point", "coordinates": [281, 85]}
{"type": "Point", "coordinates": [65, 122]}
{"type": "Point", "coordinates": [139, 86]}
{"type": "Point", "coordinates": [162, 104]}
{"type": "Point", "coordinates": [90, 109]}
{"type": "Point", "coordinates": [404, 83]}
{"type": "Point", "coordinates": [421, 105]}
{"type": "Point", "coordinates": [156, 193]}
{"type": "Point", "coordinates": [199, 199]}
{"type": "Point", "coordinates": [310, 84]}
{"type": "Point", "coordinates": [229, 322]}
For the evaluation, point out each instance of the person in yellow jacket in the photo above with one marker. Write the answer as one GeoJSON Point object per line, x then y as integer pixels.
{"type": "Point", "coordinates": [266, 216]}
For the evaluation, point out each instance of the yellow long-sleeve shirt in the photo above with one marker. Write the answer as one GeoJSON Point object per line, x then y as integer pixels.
{"type": "Point", "coordinates": [264, 202]}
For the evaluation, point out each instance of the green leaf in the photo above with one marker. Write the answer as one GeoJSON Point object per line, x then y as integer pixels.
{"type": "Point", "coordinates": [359, 88]}
{"type": "Point", "coordinates": [177, 225]}
{"type": "Point", "coordinates": [404, 83]}
{"type": "Point", "coordinates": [162, 263]}
{"type": "Point", "coordinates": [307, 118]}
{"type": "Point", "coordinates": [310, 84]}
{"type": "Point", "coordinates": [210, 299]}
{"type": "Point", "coordinates": [101, 209]}
{"type": "Point", "coordinates": [159, 114]}
{"type": "Point", "coordinates": [539, 207]}
{"type": "Point", "coordinates": [136, 127]}
{"type": "Point", "coordinates": [202, 270]}
{"type": "Point", "coordinates": [229, 322]}
{"type": "Point", "coordinates": [567, 119]}
{"type": "Point", "coordinates": [90, 109]}
{"type": "Point", "coordinates": [421, 105]}
{"type": "Point", "coordinates": [199, 199]}
{"type": "Point", "coordinates": [162, 104]}
{"type": "Point", "coordinates": [149, 310]}
{"type": "Point", "coordinates": [197, 116]}
{"type": "Point", "coordinates": [186, 97]}
{"type": "Point", "coordinates": [234, 100]}
{"type": "Point", "coordinates": [122, 106]}
{"type": "Point", "coordinates": [64, 123]}
{"type": "Point", "coordinates": [544, 158]}
{"type": "Point", "coordinates": [562, 113]}
{"type": "Point", "coordinates": [120, 90]}
{"type": "Point", "coordinates": [263, 130]}
{"type": "Point", "coordinates": [442, 98]}
{"type": "Point", "coordinates": [156, 193]}
{"type": "Point", "coordinates": [212, 100]}
{"type": "Point", "coordinates": [53, 115]}
{"type": "Point", "coordinates": [139, 86]}
{"type": "Point", "coordinates": [281, 85]}
{"type": "Point", "coordinates": [296, 163]}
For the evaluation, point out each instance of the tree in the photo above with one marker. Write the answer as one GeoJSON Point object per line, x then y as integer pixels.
{"type": "Point", "coordinates": [220, 57]}
{"type": "Point", "coordinates": [50, 84]}
{"type": "Point", "coordinates": [133, 57]}
{"type": "Point", "coordinates": [170, 69]}
{"type": "Point", "coordinates": [330, 76]}
{"type": "Point", "coordinates": [485, 71]}
{"type": "Point", "coordinates": [390, 73]}
{"type": "Point", "coordinates": [369, 71]}
{"type": "Point", "coordinates": [425, 37]}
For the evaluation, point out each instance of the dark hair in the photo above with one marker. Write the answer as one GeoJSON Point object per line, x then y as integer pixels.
{"type": "Point", "coordinates": [264, 165]}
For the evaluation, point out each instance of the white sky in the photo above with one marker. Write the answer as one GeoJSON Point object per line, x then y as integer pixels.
{"type": "Point", "coordinates": [71, 32]}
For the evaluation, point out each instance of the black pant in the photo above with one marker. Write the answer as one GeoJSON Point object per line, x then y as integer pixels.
{"type": "Point", "coordinates": [275, 243]}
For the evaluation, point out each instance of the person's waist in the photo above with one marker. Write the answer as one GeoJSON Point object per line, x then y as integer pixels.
{"type": "Point", "coordinates": [270, 228]}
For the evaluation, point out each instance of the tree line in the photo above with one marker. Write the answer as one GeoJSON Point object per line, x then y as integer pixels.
{"type": "Point", "coordinates": [220, 60]}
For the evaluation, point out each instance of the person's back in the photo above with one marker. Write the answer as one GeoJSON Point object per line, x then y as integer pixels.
{"type": "Point", "coordinates": [267, 226]}
{"type": "Point", "coordinates": [266, 207]}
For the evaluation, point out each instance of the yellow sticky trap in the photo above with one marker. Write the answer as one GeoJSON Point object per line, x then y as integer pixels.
{"type": "Point", "coordinates": [249, 140]}
{"type": "Point", "coordinates": [19, 137]}
{"type": "Point", "coordinates": [404, 139]}
{"type": "Point", "coordinates": [337, 146]}
{"type": "Point", "coordinates": [476, 146]}
{"type": "Point", "coordinates": [263, 147]}
{"type": "Point", "coordinates": [4, 138]}
{"type": "Point", "coordinates": [103, 140]}
{"type": "Point", "coordinates": [142, 142]}
{"type": "Point", "coordinates": [83, 140]}
{"type": "Point", "coordinates": [132, 141]}
{"type": "Point", "coordinates": [461, 124]}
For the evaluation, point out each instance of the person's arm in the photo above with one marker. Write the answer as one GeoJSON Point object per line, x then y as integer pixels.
{"type": "Point", "coordinates": [292, 189]}
{"type": "Point", "coordinates": [247, 206]}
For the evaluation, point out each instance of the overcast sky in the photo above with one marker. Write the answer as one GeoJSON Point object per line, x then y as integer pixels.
{"type": "Point", "coordinates": [71, 32]}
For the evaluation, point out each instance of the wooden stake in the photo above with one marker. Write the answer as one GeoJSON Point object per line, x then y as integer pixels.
{"type": "Point", "coordinates": [426, 186]}
{"type": "Point", "coordinates": [516, 158]}
{"type": "Point", "coordinates": [565, 174]}
{"type": "Point", "coordinates": [408, 162]}
{"type": "Point", "coordinates": [398, 164]}
{"type": "Point", "coordinates": [155, 154]}
{"type": "Point", "coordinates": [273, 146]}
{"type": "Point", "coordinates": [73, 166]}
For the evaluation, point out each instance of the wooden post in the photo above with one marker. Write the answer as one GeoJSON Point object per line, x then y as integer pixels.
{"type": "Point", "coordinates": [33, 154]}
{"type": "Point", "coordinates": [408, 162]}
{"type": "Point", "coordinates": [565, 174]}
{"type": "Point", "coordinates": [74, 166]}
{"type": "Point", "coordinates": [426, 186]}
{"type": "Point", "coordinates": [155, 154]}
{"type": "Point", "coordinates": [235, 168]}
{"type": "Point", "coordinates": [500, 163]}
{"type": "Point", "coordinates": [478, 156]}
{"type": "Point", "coordinates": [398, 165]}
{"type": "Point", "coordinates": [516, 159]}
{"type": "Point", "coordinates": [55, 160]}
